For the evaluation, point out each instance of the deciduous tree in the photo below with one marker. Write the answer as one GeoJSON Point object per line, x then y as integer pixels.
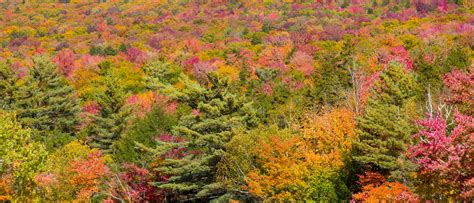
{"type": "Point", "coordinates": [21, 159]}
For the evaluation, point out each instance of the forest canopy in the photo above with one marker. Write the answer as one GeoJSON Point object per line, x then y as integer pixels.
{"type": "Point", "coordinates": [237, 101]}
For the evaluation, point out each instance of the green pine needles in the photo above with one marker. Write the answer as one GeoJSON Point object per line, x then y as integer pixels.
{"type": "Point", "coordinates": [206, 130]}
{"type": "Point", "coordinates": [384, 128]}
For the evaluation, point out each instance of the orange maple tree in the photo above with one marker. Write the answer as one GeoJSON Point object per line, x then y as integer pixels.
{"type": "Point", "coordinates": [376, 189]}
{"type": "Point", "coordinates": [289, 168]}
{"type": "Point", "coordinates": [88, 174]}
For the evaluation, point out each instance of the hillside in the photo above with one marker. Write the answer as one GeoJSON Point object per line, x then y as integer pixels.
{"type": "Point", "coordinates": [237, 101]}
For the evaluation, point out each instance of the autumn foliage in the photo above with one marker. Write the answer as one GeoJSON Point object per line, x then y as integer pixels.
{"type": "Point", "coordinates": [236, 101]}
{"type": "Point", "coordinates": [376, 189]}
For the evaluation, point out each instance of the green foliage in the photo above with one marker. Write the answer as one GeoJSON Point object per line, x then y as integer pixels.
{"type": "Point", "coordinates": [333, 79]}
{"type": "Point", "coordinates": [324, 186]}
{"type": "Point", "coordinates": [21, 158]}
{"type": "Point", "coordinates": [431, 74]}
{"type": "Point", "coordinates": [8, 86]}
{"type": "Point", "coordinates": [458, 58]}
{"type": "Point", "coordinates": [239, 157]}
{"type": "Point", "coordinates": [143, 131]}
{"type": "Point", "coordinates": [120, 81]}
{"type": "Point", "coordinates": [57, 165]}
{"type": "Point", "coordinates": [384, 128]}
{"type": "Point", "coordinates": [292, 59]}
{"type": "Point", "coordinates": [102, 51]}
{"type": "Point", "coordinates": [46, 103]}
{"type": "Point", "coordinates": [107, 126]}
{"type": "Point", "coordinates": [159, 74]}
{"type": "Point", "coordinates": [206, 131]}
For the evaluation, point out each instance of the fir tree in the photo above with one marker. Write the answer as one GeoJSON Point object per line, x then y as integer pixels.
{"type": "Point", "coordinates": [46, 103]}
{"type": "Point", "coordinates": [384, 128]}
{"type": "Point", "coordinates": [206, 131]}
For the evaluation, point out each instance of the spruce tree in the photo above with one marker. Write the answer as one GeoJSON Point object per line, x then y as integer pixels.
{"type": "Point", "coordinates": [206, 131]}
{"type": "Point", "coordinates": [384, 128]}
{"type": "Point", "coordinates": [46, 103]}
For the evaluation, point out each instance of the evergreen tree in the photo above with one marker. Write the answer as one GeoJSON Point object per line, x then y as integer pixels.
{"type": "Point", "coordinates": [107, 126]}
{"type": "Point", "coordinates": [46, 103]}
{"type": "Point", "coordinates": [8, 80]}
{"type": "Point", "coordinates": [118, 82]}
{"type": "Point", "coordinates": [105, 129]}
{"type": "Point", "coordinates": [159, 74]}
{"type": "Point", "coordinates": [333, 79]}
{"type": "Point", "coordinates": [143, 131]}
{"type": "Point", "coordinates": [206, 131]}
{"type": "Point", "coordinates": [384, 129]}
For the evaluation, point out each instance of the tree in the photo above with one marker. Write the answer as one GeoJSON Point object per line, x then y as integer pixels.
{"type": "Point", "coordinates": [283, 165]}
{"type": "Point", "coordinates": [332, 77]}
{"type": "Point", "coordinates": [205, 130]}
{"type": "Point", "coordinates": [304, 166]}
{"type": "Point", "coordinates": [66, 61]}
{"type": "Point", "coordinates": [132, 184]}
{"type": "Point", "coordinates": [47, 104]}
{"type": "Point", "coordinates": [87, 175]}
{"type": "Point", "coordinates": [107, 126]}
{"type": "Point", "coordinates": [459, 86]}
{"type": "Point", "coordinates": [289, 169]}
{"type": "Point", "coordinates": [384, 128]}
{"type": "Point", "coordinates": [444, 155]}
{"type": "Point", "coordinates": [21, 159]}
{"type": "Point", "coordinates": [54, 183]}
{"type": "Point", "coordinates": [135, 55]}
{"type": "Point", "coordinates": [119, 82]}
{"type": "Point", "coordinates": [375, 188]}
{"type": "Point", "coordinates": [239, 158]}
{"type": "Point", "coordinates": [8, 86]}
{"type": "Point", "coordinates": [143, 131]}
{"type": "Point", "coordinates": [302, 62]}
{"type": "Point", "coordinates": [158, 74]}
{"type": "Point", "coordinates": [331, 132]}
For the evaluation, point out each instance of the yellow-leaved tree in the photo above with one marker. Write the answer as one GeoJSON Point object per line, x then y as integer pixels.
{"type": "Point", "coordinates": [306, 165]}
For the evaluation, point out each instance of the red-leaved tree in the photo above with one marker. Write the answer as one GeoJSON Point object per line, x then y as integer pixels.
{"type": "Point", "coordinates": [444, 154]}
{"type": "Point", "coordinates": [460, 88]}
{"type": "Point", "coordinates": [65, 60]}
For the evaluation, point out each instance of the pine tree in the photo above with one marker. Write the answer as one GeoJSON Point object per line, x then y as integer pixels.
{"type": "Point", "coordinates": [384, 128]}
{"type": "Point", "coordinates": [107, 126]}
{"type": "Point", "coordinates": [206, 131]}
{"type": "Point", "coordinates": [143, 131]}
{"type": "Point", "coordinates": [46, 103]}
{"type": "Point", "coordinates": [118, 82]}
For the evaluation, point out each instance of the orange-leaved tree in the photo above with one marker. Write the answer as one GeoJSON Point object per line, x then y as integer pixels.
{"type": "Point", "coordinates": [376, 189]}
{"type": "Point", "coordinates": [306, 165]}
